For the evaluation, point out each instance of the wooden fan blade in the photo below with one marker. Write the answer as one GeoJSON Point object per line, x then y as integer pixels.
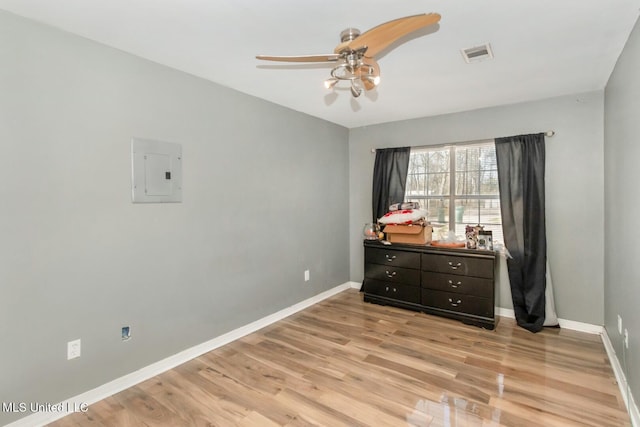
{"type": "Point", "coordinates": [342, 46]}
{"type": "Point", "coordinates": [363, 72]}
{"type": "Point", "coordinates": [303, 58]}
{"type": "Point", "coordinates": [380, 37]}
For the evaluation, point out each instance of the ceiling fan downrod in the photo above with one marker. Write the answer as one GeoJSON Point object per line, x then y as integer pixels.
{"type": "Point", "coordinates": [362, 71]}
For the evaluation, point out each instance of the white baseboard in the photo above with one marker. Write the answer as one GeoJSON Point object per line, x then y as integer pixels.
{"type": "Point", "coordinates": [355, 285]}
{"type": "Point", "coordinates": [621, 378]}
{"type": "Point", "coordinates": [629, 401]}
{"type": "Point", "coordinates": [150, 371]}
{"type": "Point", "coordinates": [567, 324]}
{"type": "Point", "coordinates": [505, 312]}
{"type": "Point", "coordinates": [581, 327]}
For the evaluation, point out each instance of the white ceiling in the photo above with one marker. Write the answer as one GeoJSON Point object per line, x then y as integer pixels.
{"type": "Point", "coordinates": [542, 48]}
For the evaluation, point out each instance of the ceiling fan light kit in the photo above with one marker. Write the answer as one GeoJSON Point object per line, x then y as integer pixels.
{"type": "Point", "coordinates": [355, 53]}
{"type": "Point", "coordinates": [330, 82]}
{"type": "Point", "coordinates": [357, 71]}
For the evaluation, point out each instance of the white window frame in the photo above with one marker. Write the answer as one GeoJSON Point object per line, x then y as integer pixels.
{"type": "Point", "coordinates": [452, 197]}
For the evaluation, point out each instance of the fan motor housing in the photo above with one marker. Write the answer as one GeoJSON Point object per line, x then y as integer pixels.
{"type": "Point", "coordinates": [349, 34]}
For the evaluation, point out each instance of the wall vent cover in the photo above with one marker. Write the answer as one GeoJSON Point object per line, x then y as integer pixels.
{"type": "Point", "coordinates": [477, 53]}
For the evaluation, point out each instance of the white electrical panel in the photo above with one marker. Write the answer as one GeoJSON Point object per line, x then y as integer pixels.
{"type": "Point", "coordinates": [156, 171]}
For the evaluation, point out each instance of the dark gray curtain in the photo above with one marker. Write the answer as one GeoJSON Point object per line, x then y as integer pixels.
{"type": "Point", "coordinates": [521, 166]}
{"type": "Point", "coordinates": [389, 178]}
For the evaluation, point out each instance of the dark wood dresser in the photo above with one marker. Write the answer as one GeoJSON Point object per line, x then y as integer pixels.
{"type": "Point", "coordinates": [455, 283]}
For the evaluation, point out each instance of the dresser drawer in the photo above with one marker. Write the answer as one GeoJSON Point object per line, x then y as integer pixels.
{"type": "Point", "coordinates": [459, 303]}
{"type": "Point", "coordinates": [392, 258]}
{"type": "Point", "coordinates": [455, 264]}
{"type": "Point", "coordinates": [392, 290]}
{"type": "Point", "coordinates": [391, 273]}
{"type": "Point", "coordinates": [458, 284]}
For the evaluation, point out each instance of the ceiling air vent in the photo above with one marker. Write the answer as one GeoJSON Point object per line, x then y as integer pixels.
{"type": "Point", "coordinates": [478, 53]}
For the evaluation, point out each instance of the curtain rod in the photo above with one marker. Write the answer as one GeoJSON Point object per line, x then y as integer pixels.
{"type": "Point", "coordinates": [548, 133]}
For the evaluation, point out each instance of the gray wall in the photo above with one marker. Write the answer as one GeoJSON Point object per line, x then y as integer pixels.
{"type": "Point", "coordinates": [264, 199]}
{"type": "Point", "coordinates": [622, 207]}
{"type": "Point", "coordinates": [574, 185]}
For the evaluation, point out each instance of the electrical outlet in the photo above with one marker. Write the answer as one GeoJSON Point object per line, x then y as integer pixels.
{"type": "Point", "coordinates": [619, 324]}
{"type": "Point", "coordinates": [626, 338]}
{"type": "Point", "coordinates": [306, 275]}
{"type": "Point", "coordinates": [73, 349]}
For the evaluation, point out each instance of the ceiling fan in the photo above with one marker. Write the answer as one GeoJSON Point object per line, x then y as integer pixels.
{"type": "Point", "coordinates": [355, 55]}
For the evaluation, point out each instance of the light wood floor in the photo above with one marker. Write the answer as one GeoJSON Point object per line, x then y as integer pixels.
{"type": "Point", "coordinates": [346, 362]}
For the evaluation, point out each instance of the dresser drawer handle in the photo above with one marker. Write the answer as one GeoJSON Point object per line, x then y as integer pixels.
{"type": "Point", "coordinates": [390, 258]}
{"type": "Point", "coordinates": [387, 289]}
{"type": "Point", "coordinates": [454, 285]}
{"type": "Point", "coordinates": [454, 304]}
{"type": "Point", "coordinates": [454, 266]}
{"type": "Point", "coordinates": [393, 273]}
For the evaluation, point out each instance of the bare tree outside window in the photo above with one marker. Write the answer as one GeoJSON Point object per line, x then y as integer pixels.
{"type": "Point", "coordinates": [458, 186]}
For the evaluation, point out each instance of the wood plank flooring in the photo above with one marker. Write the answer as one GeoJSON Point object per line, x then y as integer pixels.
{"type": "Point", "coordinates": [344, 362]}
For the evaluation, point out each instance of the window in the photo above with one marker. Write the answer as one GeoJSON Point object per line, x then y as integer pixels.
{"type": "Point", "coordinates": [458, 186]}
